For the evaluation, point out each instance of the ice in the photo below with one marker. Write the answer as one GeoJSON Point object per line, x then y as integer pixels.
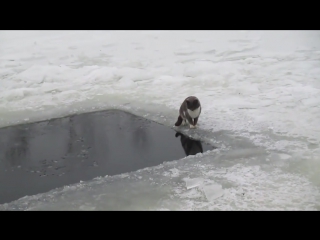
{"type": "Point", "coordinates": [192, 183]}
{"type": "Point", "coordinates": [241, 187]}
{"type": "Point", "coordinates": [260, 95]}
{"type": "Point", "coordinates": [213, 191]}
{"type": "Point", "coordinates": [87, 208]}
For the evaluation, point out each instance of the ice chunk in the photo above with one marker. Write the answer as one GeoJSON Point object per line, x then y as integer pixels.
{"type": "Point", "coordinates": [212, 191]}
{"type": "Point", "coordinates": [193, 182]}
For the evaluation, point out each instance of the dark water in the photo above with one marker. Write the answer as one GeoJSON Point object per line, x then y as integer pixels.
{"type": "Point", "coordinates": [38, 157]}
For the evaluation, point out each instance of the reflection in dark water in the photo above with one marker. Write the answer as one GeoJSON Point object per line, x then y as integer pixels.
{"type": "Point", "coordinates": [190, 146]}
{"type": "Point", "coordinates": [17, 150]}
{"type": "Point", "coordinates": [38, 157]}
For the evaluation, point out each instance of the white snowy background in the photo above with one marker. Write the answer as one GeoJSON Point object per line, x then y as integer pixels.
{"type": "Point", "coordinates": [260, 96]}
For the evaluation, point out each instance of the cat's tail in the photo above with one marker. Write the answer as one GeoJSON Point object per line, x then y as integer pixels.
{"type": "Point", "coordinates": [179, 121]}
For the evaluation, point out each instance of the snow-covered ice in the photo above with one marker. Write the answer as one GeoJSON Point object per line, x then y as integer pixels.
{"type": "Point", "coordinates": [260, 96]}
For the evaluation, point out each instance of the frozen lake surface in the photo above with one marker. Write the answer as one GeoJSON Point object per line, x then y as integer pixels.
{"type": "Point", "coordinates": [260, 96]}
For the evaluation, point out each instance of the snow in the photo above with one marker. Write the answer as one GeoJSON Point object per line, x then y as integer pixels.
{"type": "Point", "coordinates": [259, 91]}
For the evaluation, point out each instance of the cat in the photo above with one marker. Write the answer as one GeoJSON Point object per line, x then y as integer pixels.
{"type": "Point", "coordinates": [189, 112]}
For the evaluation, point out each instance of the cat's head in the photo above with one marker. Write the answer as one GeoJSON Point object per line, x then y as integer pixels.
{"type": "Point", "coordinates": [192, 103]}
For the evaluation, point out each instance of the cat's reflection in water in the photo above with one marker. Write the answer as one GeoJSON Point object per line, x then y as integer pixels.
{"type": "Point", "coordinates": [190, 146]}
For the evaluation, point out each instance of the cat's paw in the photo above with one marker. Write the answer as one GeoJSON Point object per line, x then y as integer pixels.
{"type": "Point", "coordinates": [191, 126]}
